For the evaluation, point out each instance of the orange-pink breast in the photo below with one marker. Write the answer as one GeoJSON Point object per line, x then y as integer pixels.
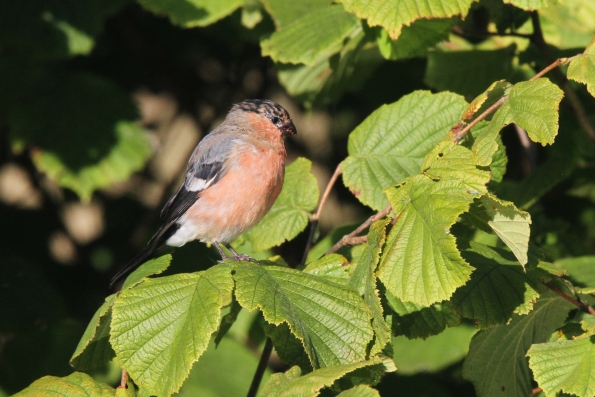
{"type": "Point", "coordinates": [242, 197]}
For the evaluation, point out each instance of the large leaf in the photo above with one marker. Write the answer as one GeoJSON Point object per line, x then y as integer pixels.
{"type": "Point", "coordinates": [582, 69]}
{"type": "Point", "coordinates": [415, 321]}
{"type": "Point", "coordinates": [565, 365]}
{"type": "Point", "coordinates": [76, 384]}
{"type": "Point", "coordinates": [331, 320]}
{"type": "Point", "coordinates": [581, 270]}
{"type": "Point", "coordinates": [496, 362]}
{"type": "Point", "coordinates": [289, 215]}
{"type": "Point", "coordinates": [311, 36]}
{"type": "Point", "coordinates": [450, 70]}
{"type": "Point", "coordinates": [415, 40]}
{"type": "Point", "coordinates": [421, 262]}
{"type": "Point", "coordinates": [363, 280]}
{"type": "Point", "coordinates": [329, 78]}
{"type": "Point", "coordinates": [433, 353]}
{"type": "Point", "coordinates": [499, 287]}
{"type": "Point", "coordinates": [393, 15]}
{"type": "Point", "coordinates": [149, 268]}
{"type": "Point", "coordinates": [360, 391]}
{"type": "Point", "coordinates": [94, 349]}
{"type": "Point", "coordinates": [163, 325]}
{"type": "Point", "coordinates": [83, 133]}
{"type": "Point", "coordinates": [508, 222]}
{"type": "Point", "coordinates": [391, 143]}
{"type": "Point", "coordinates": [285, 12]}
{"type": "Point", "coordinates": [530, 5]}
{"type": "Point", "coordinates": [189, 13]}
{"type": "Point", "coordinates": [291, 384]}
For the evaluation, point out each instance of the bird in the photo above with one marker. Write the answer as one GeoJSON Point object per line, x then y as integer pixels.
{"type": "Point", "coordinates": [233, 177]}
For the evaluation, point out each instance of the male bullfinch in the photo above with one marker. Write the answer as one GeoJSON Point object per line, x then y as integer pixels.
{"type": "Point", "coordinates": [233, 178]}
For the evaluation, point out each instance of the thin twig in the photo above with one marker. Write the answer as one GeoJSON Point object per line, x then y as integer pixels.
{"type": "Point", "coordinates": [585, 308]}
{"type": "Point", "coordinates": [575, 103]}
{"type": "Point", "coordinates": [314, 220]}
{"type": "Point", "coordinates": [124, 379]}
{"type": "Point", "coordinates": [345, 240]}
{"type": "Point", "coordinates": [456, 137]}
{"type": "Point", "coordinates": [262, 366]}
{"type": "Point", "coordinates": [536, 391]}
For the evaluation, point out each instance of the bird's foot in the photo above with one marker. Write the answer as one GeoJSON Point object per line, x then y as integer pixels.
{"type": "Point", "coordinates": [244, 258]}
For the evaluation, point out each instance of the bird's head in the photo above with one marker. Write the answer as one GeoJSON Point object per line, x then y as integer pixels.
{"type": "Point", "coordinates": [271, 111]}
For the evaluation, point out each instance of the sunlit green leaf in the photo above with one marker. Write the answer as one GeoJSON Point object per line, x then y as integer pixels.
{"type": "Point", "coordinates": [76, 384]}
{"type": "Point", "coordinates": [289, 215]}
{"type": "Point", "coordinates": [163, 325]}
{"type": "Point", "coordinates": [335, 267]}
{"type": "Point", "coordinates": [499, 287]}
{"type": "Point", "coordinates": [582, 69]}
{"type": "Point", "coordinates": [149, 268]}
{"type": "Point", "coordinates": [363, 280]}
{"type": "Point", "coordinates": [391, 143]}
{"type": "Point", "coordinates": [189, 13]}
{"type": "Point", "coordinates": [291, 384]}
{"type": "Point", "coordinates": [392, 16]}
{"type": "Point", "coordinates": [496, 362]}
{"type": "Point", "coordinates": [565, 365]}
{"type": "Point", "coordinates": [331, 320]}
{"type": "Point", "coordinates": [421, 262]}
{"type": "Point", "coordinates": [360, 391]}
{"type": "Point", "coordinates": [530, 5]}
{"type": "Point", "coordinates": [310, 36]}
{"type": "Point", "coordinates": [285, 12]}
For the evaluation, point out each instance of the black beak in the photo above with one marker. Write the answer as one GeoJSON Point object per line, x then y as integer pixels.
{"type": "Point", "coordinates": [288, 129]}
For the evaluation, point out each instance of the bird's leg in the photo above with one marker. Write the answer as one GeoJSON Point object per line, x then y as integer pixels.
{"type": "Point", "coordinates": [223, 256]}
{"type": "Point", "coordinates": [237, 256]}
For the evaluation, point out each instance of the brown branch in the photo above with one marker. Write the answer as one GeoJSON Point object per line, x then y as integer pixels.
{"type": "Point", "coordinates": [585, 308]}
{"type": "Point", "coordinates": [536, 391]}
{"type": "Point", "coordinates": [482, 116]}
{"type": "Point", "coordinates": [262, 366]}
{"type": "Point", "coordinates": [123, 379]}
{"type": "Point", "coordinates": [351, 238]}
{"type": "Point", "coordinates": [316, 217]}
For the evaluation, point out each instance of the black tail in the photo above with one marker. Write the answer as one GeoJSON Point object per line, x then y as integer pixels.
{"type": "Point", "coordinates": [138, 260]}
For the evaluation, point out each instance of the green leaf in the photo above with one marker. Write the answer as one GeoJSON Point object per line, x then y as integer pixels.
{"type": "Point", "coordinates": [94, 349]}
{"type": "Point", "coordinates": [533, 105]}
{"type": "Point", "coordinates": [284, 12]}
{"type": "Point", "coordinates": [433, 353]}
{"type": "Point", "coordinates": [310, 37]}
{"type": "Point", "coordinates": [450, 161]}
{"type": "Point", "coordinates": [392, 16]}
{"type": "Point", "coordinates": [329, 78]}
{"type": "Point", "coordinates": [149, 268]}
{"type": "Point", "coordinates": [421, 262]}
{"type": "Point", "coordinates": [360, 391]}
{"type": "Point", "coordinates": [76, 384]}
{"type": "Point", "coordinates": [191, 13]}
{"type": "Point", "coordinates": [499, 287]}
{"type": "Point", "coordinates": [581, 270]}
{"type": "Point", "coordinates": [287, 346]}
{"type": "Point", "coordinates": [565, 365]}
{"type": "Point", "coordinates": [163, 325]}
{"type": "Point", "coordinates": [83, 133]}
{"type": "Point", "coordinates": [508, 222]}
{"type": "Point", "coordinates": [291, 384]}
{"type": "Point", "coordinates": [390, 144]}
{"type": "Point", "coordinates": [363, 280]}
{"type": "Point", "coordinates": [582, 69]}
{"type": "Point", "coordinates": [450, 70]}
{"type": "Point", "coordinates": [529, 5]}
{"type": "Point", "coordinates": [415, 321]}
{"type": "Point", "coordinates": [334, 267]}
{"type": "Point", "coordinates": [415, 40]}
{"type": "Point", "coordinates": [496, 362]}
{"type": "Point", "coordinates": [332, 321]}
{"type": "Point", "coordinates": [289, 215]}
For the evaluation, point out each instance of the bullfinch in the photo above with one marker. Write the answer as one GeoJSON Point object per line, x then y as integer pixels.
{"type": "Point", "coordinates": [233, 178]}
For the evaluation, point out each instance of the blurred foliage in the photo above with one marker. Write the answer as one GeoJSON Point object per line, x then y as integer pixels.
{"type": "Point", "coordinates": [103, 101]}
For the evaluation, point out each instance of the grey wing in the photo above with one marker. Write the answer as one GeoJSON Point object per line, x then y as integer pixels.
{"type": "Point", "coordinates": [205, 168]}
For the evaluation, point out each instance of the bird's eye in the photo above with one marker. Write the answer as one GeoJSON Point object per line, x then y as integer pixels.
{"type": "Point", "coordinates": [275, 120]}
